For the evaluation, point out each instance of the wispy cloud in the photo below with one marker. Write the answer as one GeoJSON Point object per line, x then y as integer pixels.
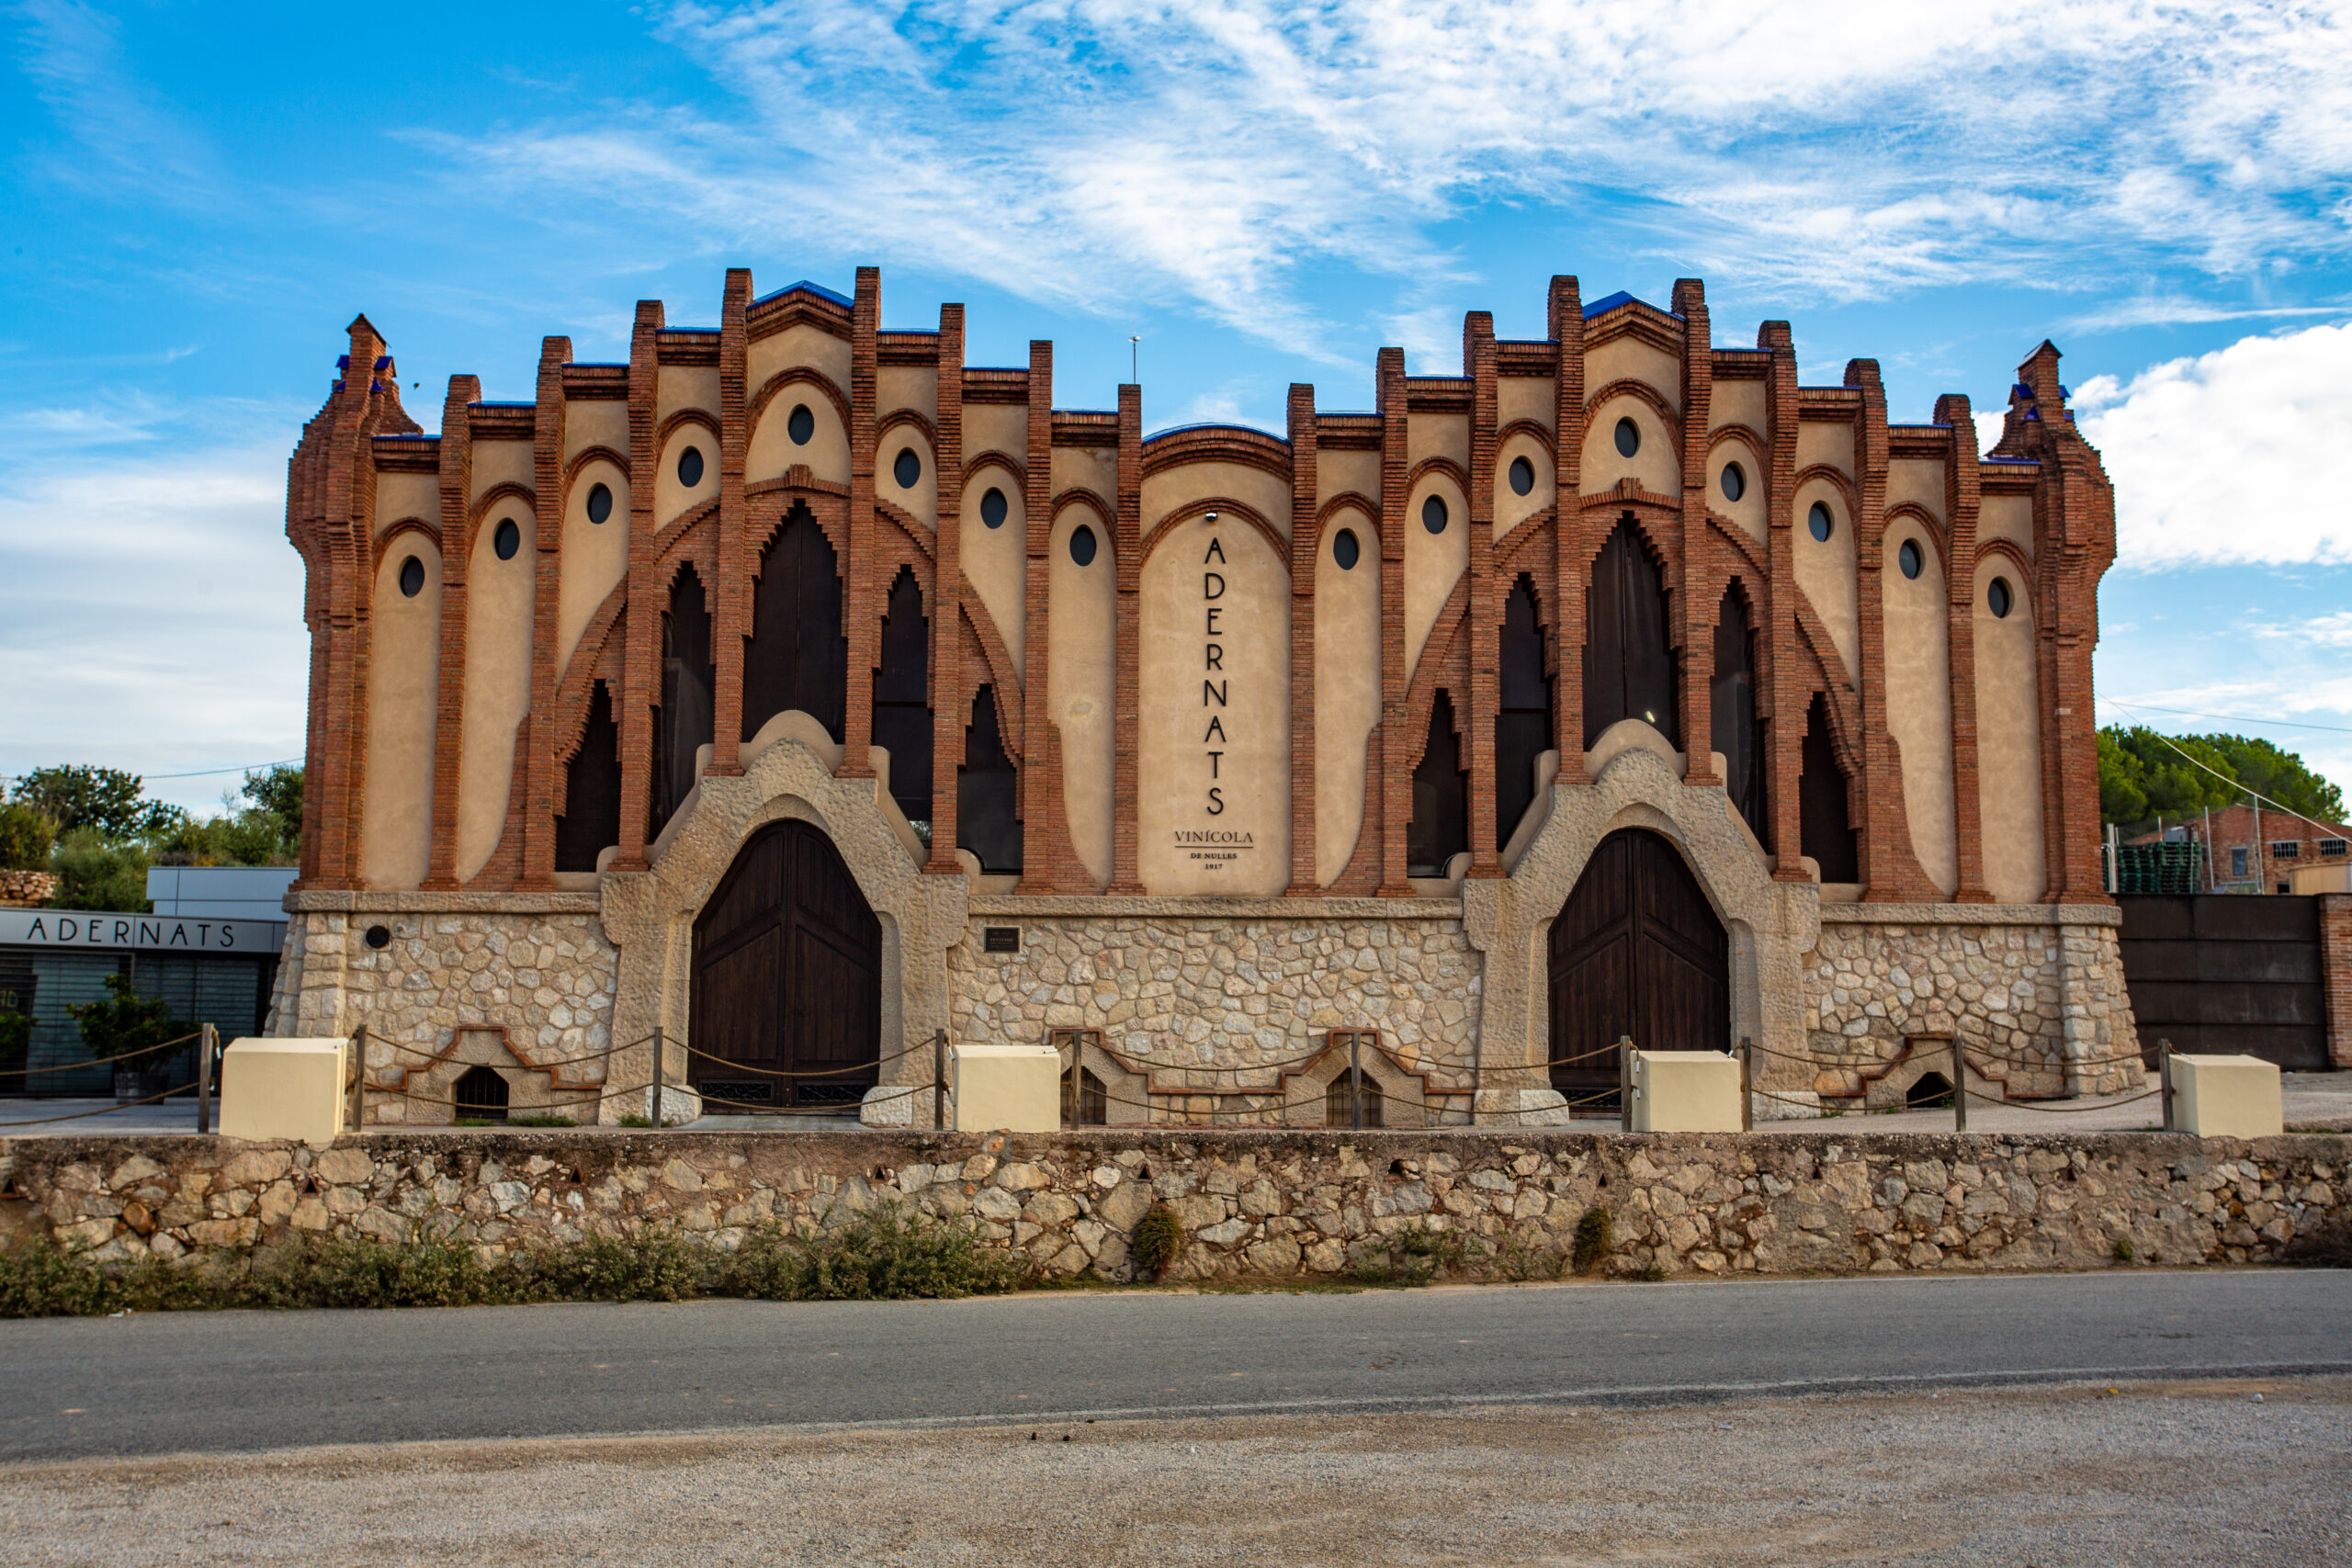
{"type": "Point", "coordinates": [2217, 459]}
{"type": "Point", "coordinates": [1226, 149]}
{"type": "Point", "coordinates": [125, 136]}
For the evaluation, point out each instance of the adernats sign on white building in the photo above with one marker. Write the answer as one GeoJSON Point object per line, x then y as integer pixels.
{"type": "Point", "coordinates": [79, 928]}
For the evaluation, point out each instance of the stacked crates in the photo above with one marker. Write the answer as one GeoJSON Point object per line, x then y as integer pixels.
{"type": "Point", "coordinates": [2175, 867]}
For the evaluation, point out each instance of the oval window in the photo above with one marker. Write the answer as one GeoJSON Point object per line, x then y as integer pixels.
{"type": "Point", "coordinates": [690, 467]}
{"type": "Point", "coordinates": [1735, 481]}
{"type": "Point", "coordinates": [1909, 558]}
{"type": "Point", "coordinates": [1081, 545]}
{"type": "Point", "coordinates": [1818, 522]}
{"type": "Point", "coordinates": [1629, 438]}
{"type": "Point", "coordinates": [800, 425]}
{"type": "Point", "coordinates": [1996, 598]}
{"type": "Point", "coordinates": [507, 540]}
{"type": "Point", "coordinates": [908, 469]}
{"type": "Point", "coordinates": [600, 503]}
{"type": "Point", "coordinates": [1523, 476]}
{"type": "Point", "coordinates": [1433, 515]}
{"type": "Point", "coordinates": [412, 577]}
{"type": "Point", "coordinates": [1345, 550]}
{"type": "Point", "coordinates": [993, 509]}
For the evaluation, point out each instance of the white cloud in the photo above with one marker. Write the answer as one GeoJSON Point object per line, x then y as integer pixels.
{"type": "Point", "coordinates": [1226, 148]}
{"type": "Point", "coordinates": [151, 614]}
{"type": "Point", "coordinates": [2225, 457]}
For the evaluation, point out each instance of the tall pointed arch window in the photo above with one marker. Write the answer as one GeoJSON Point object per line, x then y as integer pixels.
{"type": "Point", "coordinates": [1523, 729]}
{"type": "Point", "coordinates": [1628, 660]}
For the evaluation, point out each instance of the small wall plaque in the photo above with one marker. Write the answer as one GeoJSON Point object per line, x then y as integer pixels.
{"type": "Point", "coordinates": [1000, 939]}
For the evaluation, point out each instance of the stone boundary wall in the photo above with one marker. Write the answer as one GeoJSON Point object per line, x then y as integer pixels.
{"type": "Point", "coordinates": [1274, 1206]}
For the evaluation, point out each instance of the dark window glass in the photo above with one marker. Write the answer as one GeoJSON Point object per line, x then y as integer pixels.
{"type": "Point", "coordinates": [987, 793]}
{"type": "Point", "coordinates": [600, 503]}
{"type": "Point", "coordinates": [1733, 729]}
{"type": "Point", "coordinates": [1345, 550]}
{"type": "Point", "coordinates": [1629, 666]}
{"type": "Point", "coordinates": [507, 540]}
{"type": "Point", "coordinates": [1523, 476]}
{"type": "Point", "coordinates": [591, 796]}
{"type": "Point", "coordinates": [1523, 729]}
{"type": "Point", "coordinates": [1909, 558]}
{"type": "Point", "coordinates": [1433, 515]}
{"type": "Point", "coordinates": [1441, 826]}
{"type": "Point", "coordinates": [480, 1096]}
{"type": "Point", "coordinates": [1822, 817]}
{"type": "Point", "coordinates": [413, 578]}
{"type": "Point", "coordinates": [908, 469]}
{"type": "Point", "coordinates": [1629, 438]}
{"type": "Point", "coordinates": [687, 719]}
{"type": "Point", "coordinates": [797, 657]}
{"type": "Point", "coordinates": [1081, 545]}
{"type": "Point", "coordinates": [690, 467]}
{"type": "Point", "coordinates": [993, 509]}
{"type": "Point", "coordinates": [1819, 522]}
{"type": "Point", "coordinates": [1735, 481]}
{"type": "Point", "coordinates": [1339, 1095]}
{"type": "Point", "coordinates": [1996, 598]}
{"type": "Point", "coordinates": [902, 698]}
{"type": "Point", "coordinates": [800, 425]}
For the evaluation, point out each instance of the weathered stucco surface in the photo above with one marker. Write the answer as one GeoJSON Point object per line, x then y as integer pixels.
{"type": "Point", "coordinates": [1266, 1204]}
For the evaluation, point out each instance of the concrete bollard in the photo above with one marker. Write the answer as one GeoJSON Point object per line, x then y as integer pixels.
{"type": "Point", "coordinates": [1009, 1089]}
{"type": "Point", "coordinates": [2227, 1097]}
{"type": "Point", "coordinates": [1686, 1091]}
{"type": "Point", "coordinates": [283, 1088]}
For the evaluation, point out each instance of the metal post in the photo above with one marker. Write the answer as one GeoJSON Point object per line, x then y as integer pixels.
{"type": "Point", "coordinates": [653, 1102]}
{"type": "Point", "coordinates": [1624, 1083]}
{"type": "Point", "coordinates": [939, 1081]}
{"type": "Point", "coordinates": [207, 1039]}
{"type": "Point", "coordinates": [358, 1077]}
{"type": "Point", "coordinates": [1355, 1077]}
{"type": "Point", "coordinates": [1959, 1088]}
{"type": "Point", "coordinates": [2164, 1082]}
{"type": "Point", "coordinates": [1747, 1085]}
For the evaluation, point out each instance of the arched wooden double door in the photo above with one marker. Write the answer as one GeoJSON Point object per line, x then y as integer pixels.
{"type": "Point", "coordinates": [1637, 951]}
{"type": "Point", "coordinates": [787, 979]}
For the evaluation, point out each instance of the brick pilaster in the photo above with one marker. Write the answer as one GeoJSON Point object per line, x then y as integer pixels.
{"type": "Point", "coordinates": [1963, 495]}
{"type": "Point", "coordinates": [1127, 703]}
{"type": "Point", "coordinates": [1890, 871]}
{"type": "Point", "coordinates": [1394, 784]}
{"type": "Point", "coordinates": [1790, 692]}
{"type": "Point", "coordinates": [2336, 974]}
{"type": "Point", "coordinates": [640, 692]}
{"type": "Point", "coordinates": [1306, 552]}
{"type": "Point", "coordinates": [457, 560]}
{"type": "Point", "coordinates": [1485, 599]}
{"type": "Point", "coordinates": [1047, 864]}
{"type": "Point", "coordinates": [950, 698]}
{"type": "Point", "coordinates": [730, 597]}
{"type": "Point", "coordinates": [1701, 587]}
{"type": "Point", "coordinates": [1565, 313]}
{"type": "Point", "coordinates": [862, 605]}
{"type": "Point", "coordinates": [548, 505]}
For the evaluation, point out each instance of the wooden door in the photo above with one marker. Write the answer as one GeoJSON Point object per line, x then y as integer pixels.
{"type": "Point", "coordinates": [1636, 951]}
{"type": "Point", "coordinates": [787, 979]}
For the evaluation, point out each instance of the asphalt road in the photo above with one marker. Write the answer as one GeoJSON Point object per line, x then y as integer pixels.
{"type": "Point", "coordinates": [242, 1381]}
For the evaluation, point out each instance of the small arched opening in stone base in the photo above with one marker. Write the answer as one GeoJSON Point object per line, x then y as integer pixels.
{"type": "Point", "coordinates": [1319, 1093]}
{"type": "Point", "coordinates": [480, 1095]}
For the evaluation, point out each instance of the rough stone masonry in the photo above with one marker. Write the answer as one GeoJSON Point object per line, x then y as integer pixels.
{"type": "Point", "coordinates": [1269, 1205]}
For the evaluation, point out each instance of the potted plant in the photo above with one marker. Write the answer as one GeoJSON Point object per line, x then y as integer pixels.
{"type": "Point", "coordinates": [124, 1022]}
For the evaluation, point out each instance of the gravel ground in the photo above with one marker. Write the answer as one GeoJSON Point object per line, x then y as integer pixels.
{"type": "Point", "coordinates": [2172, 1473]}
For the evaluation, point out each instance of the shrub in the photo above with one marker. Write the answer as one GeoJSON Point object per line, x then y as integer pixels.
{"type": "Point", "coordinates": [1158, 1241]}
{"type": "Point", "coordinates": [26, 837]}
{"type": "Point", "coordinates": [649, 1266]}
{"type": "Point", "coordinates": [124, 1021]}
{"type": "Point", "coordinates": [1414, 1254]}
{"type": "Point", "coordinates": [2124, 1251]}
{"type": "Point", "coordinates": [541, 1121]}
{"type": "Point", "coordinates": [1596, 1235]}
{"type": "Point", "coordinates": [93, 874]}
{"type": "Point", "coordinates": [885, 1254]}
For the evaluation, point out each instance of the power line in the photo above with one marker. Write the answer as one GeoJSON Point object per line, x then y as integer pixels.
{"type": "Point", "coordinates": [2238, 784]}
{"type": "Point", "coordinates": [215, 772]}
{"type": "Point", "coordinates": [2227, 718]}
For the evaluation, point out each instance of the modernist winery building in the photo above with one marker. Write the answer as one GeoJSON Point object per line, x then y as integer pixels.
{"type": "Point", "coordinates": [802, 690]}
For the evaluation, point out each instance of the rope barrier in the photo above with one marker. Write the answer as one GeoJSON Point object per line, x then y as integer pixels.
{"type": "Point", "coordinates": [82, 1115]}
{"type": "Point", "coordinates": [97, 1061]}
{"type": "Point", "coordinates": [1975, 1052]}
{"type": "Point", "coordinates": [567, 1061]}
{"type": "Point", "coordinates": [813, 1073]}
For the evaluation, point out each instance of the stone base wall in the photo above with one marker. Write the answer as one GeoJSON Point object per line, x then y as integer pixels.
{"type": "Point", "coordinates": [1269, 1205]}
{"type": "Point", "coordinates": [463, 979]}
{"type": "Point", "coordinates": [2037, 1002]}
{"type": "Point", "coordinates": [1224, 1004]}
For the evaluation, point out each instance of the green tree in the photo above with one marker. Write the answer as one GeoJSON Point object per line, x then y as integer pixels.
{"type": "Point", "coordinates": [26, 838]}
{"type": "Point", "coordinates": [279, 790]}
{"type": "Point", "coordinates": [262, 825]}
{"type": "Point", "coordinates": [105, 800]}
{"type": "Point", "coordinates": [123, 1021]}
{"type": "Point", "coordinates": [2144, 775]}
{"type": "Point", "coordinates": [93, 874]}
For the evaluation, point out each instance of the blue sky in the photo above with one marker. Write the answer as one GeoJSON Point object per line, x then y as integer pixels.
{"type": "Point", "coordinates": [195, 199]}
